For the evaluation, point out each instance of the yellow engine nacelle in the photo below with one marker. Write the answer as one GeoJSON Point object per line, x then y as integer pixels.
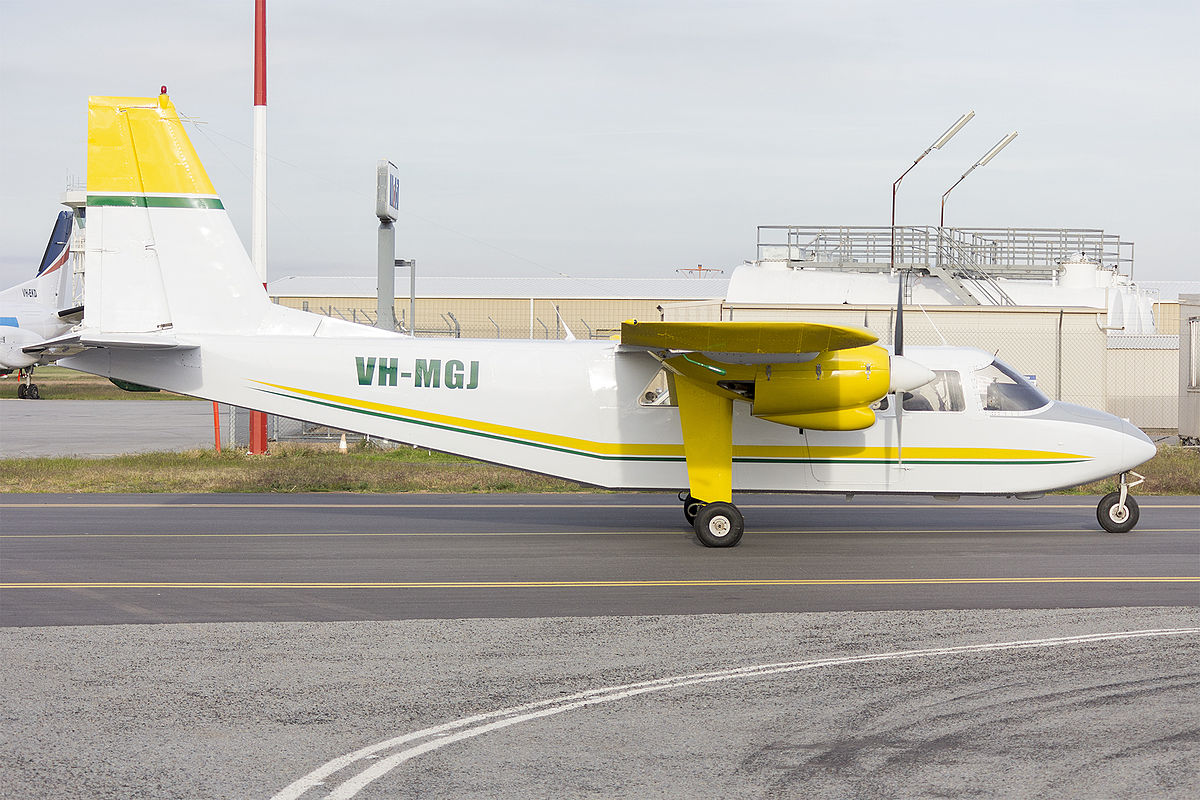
{"type": "Point", "coordinates": [833, 392]}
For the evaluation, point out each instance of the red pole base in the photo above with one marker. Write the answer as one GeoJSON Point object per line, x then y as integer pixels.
{"type": "Point", "coordinates": [258, 432]}
{"type": "Point", "coordinates": [216, 426]}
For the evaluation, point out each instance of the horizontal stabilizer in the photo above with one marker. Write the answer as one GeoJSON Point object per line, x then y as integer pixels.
{"type": "Point", "coordinates": [744, 337]}
{"type": "Point", "coordinates": [75, 343]}
{"type": "Point", "coordinates": [71, 314]}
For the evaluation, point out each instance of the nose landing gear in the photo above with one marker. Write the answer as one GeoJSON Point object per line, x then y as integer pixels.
{"type": "Point", "coordinates": [1117, 511]}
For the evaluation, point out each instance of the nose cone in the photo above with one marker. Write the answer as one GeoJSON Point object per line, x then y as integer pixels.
{"type": "Point", "coordinates": [1112, 445]}
{"type": "Point", "coordinates": [1137, 449]}
{"type": "Point", "coordinates": [907, 375]}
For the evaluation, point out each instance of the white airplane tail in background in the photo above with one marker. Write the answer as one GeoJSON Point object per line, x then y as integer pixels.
{"type": "Point", "coordinates": [162, 254]}
{"type": "Point", "coordinates": [41, 307]}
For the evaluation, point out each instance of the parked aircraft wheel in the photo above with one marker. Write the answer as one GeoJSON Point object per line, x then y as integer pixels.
{"type": "Point", "coordinates": [719, 525]}
{"type": "Point", "coordinates": [21, 391]}
{"type": "Point", "coordinates": [691, 507]}
{"type": "Point", "coordinates": [33, 392]}
{"type": "Point", "coordinates": [1115, 519]}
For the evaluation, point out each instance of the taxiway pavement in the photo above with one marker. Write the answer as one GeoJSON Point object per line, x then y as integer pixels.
{"type": "Point", "coordinates": [352, 646]}
{"type": "Point", "coordinates": [105, 559]}
{"type": "Point", "coordinates": [35, 428]}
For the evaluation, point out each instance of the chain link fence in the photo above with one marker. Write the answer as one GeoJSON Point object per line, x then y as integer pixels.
{"type": "Point", "coordinates": [497, 318]}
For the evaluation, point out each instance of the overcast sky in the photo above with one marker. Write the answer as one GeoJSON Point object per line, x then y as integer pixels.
{"type": "Point", "coordinates": [626, 138]}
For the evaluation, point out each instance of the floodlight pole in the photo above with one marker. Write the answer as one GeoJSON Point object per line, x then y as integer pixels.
{"type": "Point", "coordinates": [1000, 145]}
{"type": "Point", "coordinates": [937, 145]}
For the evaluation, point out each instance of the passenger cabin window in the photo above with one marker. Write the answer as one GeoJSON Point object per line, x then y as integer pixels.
{"type": "Point", "coordinates": [1002, 389]}
{"type": "Point", "coordinates": [943, 393]}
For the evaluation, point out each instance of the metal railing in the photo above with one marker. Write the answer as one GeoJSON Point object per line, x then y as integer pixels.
{"type": "Point", "coordinates": [1000, 252]}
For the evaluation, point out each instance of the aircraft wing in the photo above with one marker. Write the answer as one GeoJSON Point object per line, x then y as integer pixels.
{"type": "Point", "coordinates": [799, 374]}
{"type": "Point", "coordinates": [783, 339]}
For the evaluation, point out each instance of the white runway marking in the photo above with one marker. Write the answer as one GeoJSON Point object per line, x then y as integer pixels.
{"type": "Point", "coordinates": [428, 739]}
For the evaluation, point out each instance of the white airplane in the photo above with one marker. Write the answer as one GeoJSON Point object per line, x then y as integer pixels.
{"type": "Point", "coordinates": [32, 311]}
{"type": "Point", "coordinates": [174, 302]}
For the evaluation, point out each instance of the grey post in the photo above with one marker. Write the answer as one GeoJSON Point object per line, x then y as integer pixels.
{"type": "Point", "coordinates": [387, 208]}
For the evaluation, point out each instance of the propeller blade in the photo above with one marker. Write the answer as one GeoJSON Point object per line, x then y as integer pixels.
{"type": "Point", "coordinates": [898, 337]}
{"type": "Point", "coordinates": [899, 429]}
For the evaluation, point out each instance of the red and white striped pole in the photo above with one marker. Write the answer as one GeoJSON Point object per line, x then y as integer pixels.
{"type": "Point", "coordinates": [258, 189]}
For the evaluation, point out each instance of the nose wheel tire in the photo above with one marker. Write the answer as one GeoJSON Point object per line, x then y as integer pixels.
{"type": "Point", "coordinates": [1116, 517]}
{"type": "Point", "coordinates": [719, 525]}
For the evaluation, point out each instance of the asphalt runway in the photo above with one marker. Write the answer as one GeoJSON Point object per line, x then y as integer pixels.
{"type": "Point", "coordinates": [103, 559]}
{"type": "Point", "coordinates": [34, 428]}
{"type": "Point", "coordinates": [337, 646]}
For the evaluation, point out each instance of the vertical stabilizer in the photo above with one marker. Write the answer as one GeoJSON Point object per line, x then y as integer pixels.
{"type": "Point", "coordinates": [161, 251]}
{"type": "Point", "coordinates": [58, 249]}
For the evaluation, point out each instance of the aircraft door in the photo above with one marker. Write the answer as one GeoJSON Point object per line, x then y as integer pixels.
{"type": "Point", "coordinates": [855, 460]}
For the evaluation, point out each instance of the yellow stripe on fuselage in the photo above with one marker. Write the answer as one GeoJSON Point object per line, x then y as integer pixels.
{"type": "Point", "coordinates": [476, 426]}
{"type": "Point", "coordinates": [673, 451]}
{"type": "Point", "coordinates": [137, 145]}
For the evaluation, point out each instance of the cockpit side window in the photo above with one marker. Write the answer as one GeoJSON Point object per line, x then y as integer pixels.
{"type": "Point", "coordinates": [1001, 388]}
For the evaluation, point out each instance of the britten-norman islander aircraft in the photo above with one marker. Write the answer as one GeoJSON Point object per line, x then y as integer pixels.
{"type": "Point", "coordinates": [172, 301]}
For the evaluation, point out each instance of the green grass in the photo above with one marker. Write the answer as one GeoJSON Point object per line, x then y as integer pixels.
{"type": "Point", "coordinates": [1175, 470]}
{"type": "Point", "coordinates": [368, 469]}
{"type": "Point", "coordinates": [287, 468]}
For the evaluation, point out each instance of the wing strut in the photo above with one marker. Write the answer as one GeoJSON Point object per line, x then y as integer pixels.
{"type": "Point", "coordinates": [707, 422]}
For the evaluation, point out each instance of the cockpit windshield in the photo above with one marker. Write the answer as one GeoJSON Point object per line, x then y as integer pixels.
{"type": "Point", "coordinates": [1000, 388]}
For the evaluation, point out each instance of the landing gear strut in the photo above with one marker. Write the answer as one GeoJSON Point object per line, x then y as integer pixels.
{"type": "Point", "coordinates": [1118, 512]}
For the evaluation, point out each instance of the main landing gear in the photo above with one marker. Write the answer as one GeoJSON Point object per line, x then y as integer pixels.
{"type": "Point", "coordinates": [716, 524]}
{"type": "Point", "coordinates": [27, 389]}
{"type": "Point", "coordinates": [1118, 512]}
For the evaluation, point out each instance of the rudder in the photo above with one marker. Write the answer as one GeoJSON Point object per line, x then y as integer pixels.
{"type": "Point", "coordinates": [162, 253]}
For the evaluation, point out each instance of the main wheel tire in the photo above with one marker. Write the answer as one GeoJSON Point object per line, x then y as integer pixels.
{"type": "Point", "coordinates": [33, 394]}
{"type": "Point", "coordinates": [691, 507]}
{"type": "Point", "coordinates": [21, 391]}
{"type": "Point", "coordinates": [1113, 518]}
{"type": "Point", "coordinates": [719, 525]}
